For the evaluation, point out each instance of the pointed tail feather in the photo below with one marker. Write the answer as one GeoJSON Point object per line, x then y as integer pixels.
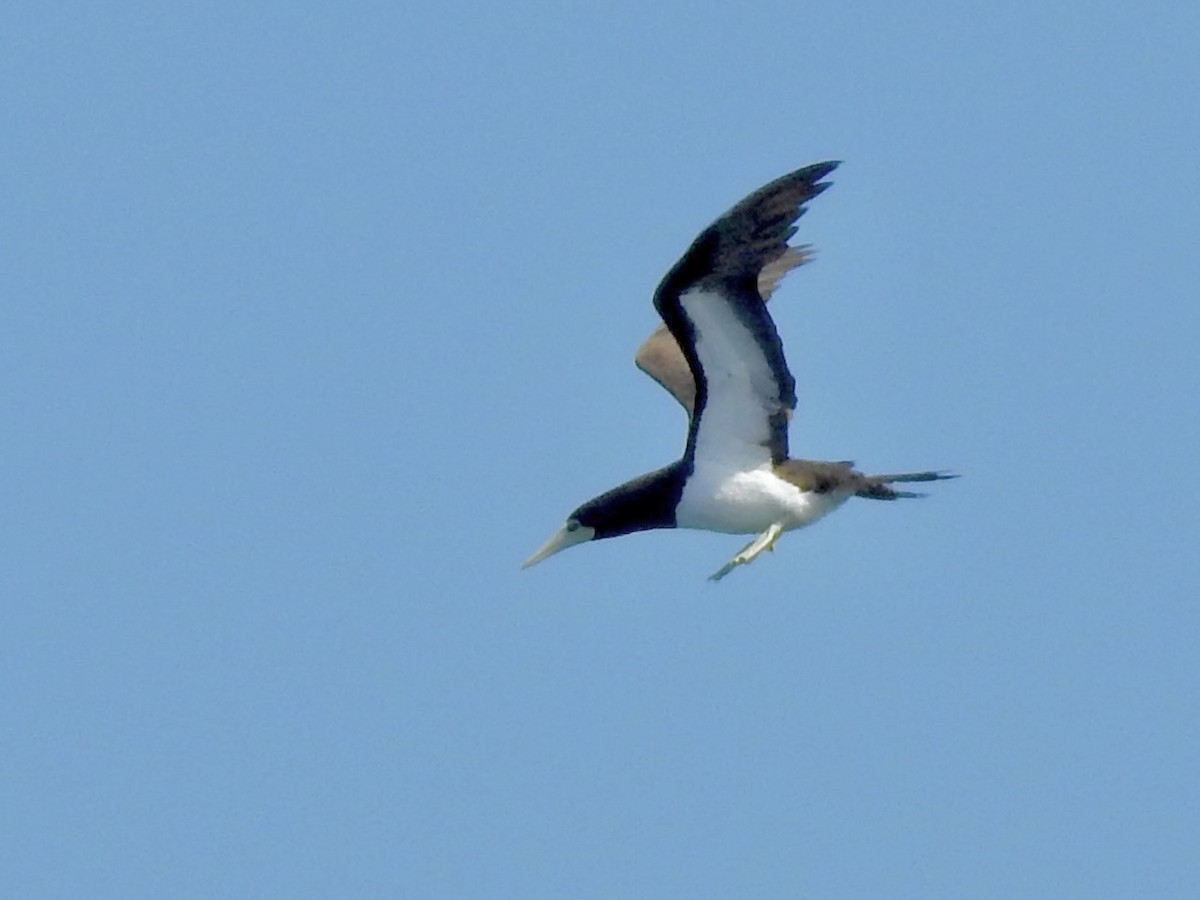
{"type": "Point", "coordinates": [878, 485]}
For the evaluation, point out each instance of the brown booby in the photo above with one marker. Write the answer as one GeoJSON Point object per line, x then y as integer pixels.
{"type": "Point", "coordinates": [718, 353]}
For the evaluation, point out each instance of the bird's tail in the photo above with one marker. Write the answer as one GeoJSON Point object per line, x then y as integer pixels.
{"type": "Point", "coordinates": [879, 486]}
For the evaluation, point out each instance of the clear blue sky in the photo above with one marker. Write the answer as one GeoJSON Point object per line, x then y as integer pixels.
{"type": "Point", "coordinates": [316, 320]}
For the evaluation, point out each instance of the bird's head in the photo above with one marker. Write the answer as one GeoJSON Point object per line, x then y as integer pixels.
{"type": "Point", "coordinates": [608, 515]}
{"type": "Point", "coordinates": [646, 502]}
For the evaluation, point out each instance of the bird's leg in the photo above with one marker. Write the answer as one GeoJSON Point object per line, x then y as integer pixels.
{"type": "Point", "coordinates": [765, 541]}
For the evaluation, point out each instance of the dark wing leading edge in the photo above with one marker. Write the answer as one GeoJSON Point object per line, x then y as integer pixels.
{"type": "Point", "coordinates": [712, 305]}
{"type": "Point", "coordinates": [660, 356]}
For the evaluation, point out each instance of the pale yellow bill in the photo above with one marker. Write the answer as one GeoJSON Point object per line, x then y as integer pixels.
{"type": "Point", "coordinates": [565, 537]}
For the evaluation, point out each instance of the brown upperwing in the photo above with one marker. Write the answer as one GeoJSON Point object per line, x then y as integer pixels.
{"type": "Point", "coordinates": [660, 357]}
{"type": "Point", "coordinates": [822, 477]}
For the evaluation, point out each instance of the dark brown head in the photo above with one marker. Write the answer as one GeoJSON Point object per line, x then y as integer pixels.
{"type": "Point", "coordinates": [646, 502]}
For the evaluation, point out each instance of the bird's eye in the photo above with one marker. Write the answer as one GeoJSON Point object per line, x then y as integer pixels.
{"type": "Point", "coordinates": [572, 525]}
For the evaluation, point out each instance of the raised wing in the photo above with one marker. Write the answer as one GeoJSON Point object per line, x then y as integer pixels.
{"type": "Point", "coordinates": [711, 304]}
{"type": "Point", "coordinates": [660, 356]}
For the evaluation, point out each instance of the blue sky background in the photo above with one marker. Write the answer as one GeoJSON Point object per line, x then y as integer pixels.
{"type": "Point", "coordinates": [318, 319]}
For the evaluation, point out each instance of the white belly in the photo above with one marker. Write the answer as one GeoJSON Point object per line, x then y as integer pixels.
{"type": "Point", "coordinates": [749, 502]}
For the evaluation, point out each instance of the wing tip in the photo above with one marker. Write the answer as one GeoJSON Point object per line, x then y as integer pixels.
{"type": "Point", "coordinates": [813, 174]}
{"type": "Point", "coordinates": [817, 171]}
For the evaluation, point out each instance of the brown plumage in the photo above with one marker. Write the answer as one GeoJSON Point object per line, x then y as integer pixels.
{"type": "Point", "coordinates": [826, 477]}
{"type": "Point", "coordinates": [719, 354]}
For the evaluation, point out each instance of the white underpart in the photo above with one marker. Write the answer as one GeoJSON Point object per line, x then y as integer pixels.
{"type": "Point", "coordinates": [716, 498]}
{"type": "Point", "coordinates": [743, 392]}
{"type": "Point", "coordinates": [733, 488]}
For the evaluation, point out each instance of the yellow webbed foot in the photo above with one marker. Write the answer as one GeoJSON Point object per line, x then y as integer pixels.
{"type": "Point", "coordinates": [765, 541]}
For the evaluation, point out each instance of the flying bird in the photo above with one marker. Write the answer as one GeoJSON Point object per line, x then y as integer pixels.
{"type": "Point", "coordinates": [718, 353]}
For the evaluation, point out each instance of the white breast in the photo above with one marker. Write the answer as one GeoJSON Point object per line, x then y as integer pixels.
{"type": "Point", "coordinates": [748, 502]}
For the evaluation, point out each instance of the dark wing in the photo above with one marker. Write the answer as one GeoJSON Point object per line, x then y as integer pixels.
{"type": "Point", "coordinates": [711, 304]}
{"type": "Point", "coordinates": [660, 356]}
